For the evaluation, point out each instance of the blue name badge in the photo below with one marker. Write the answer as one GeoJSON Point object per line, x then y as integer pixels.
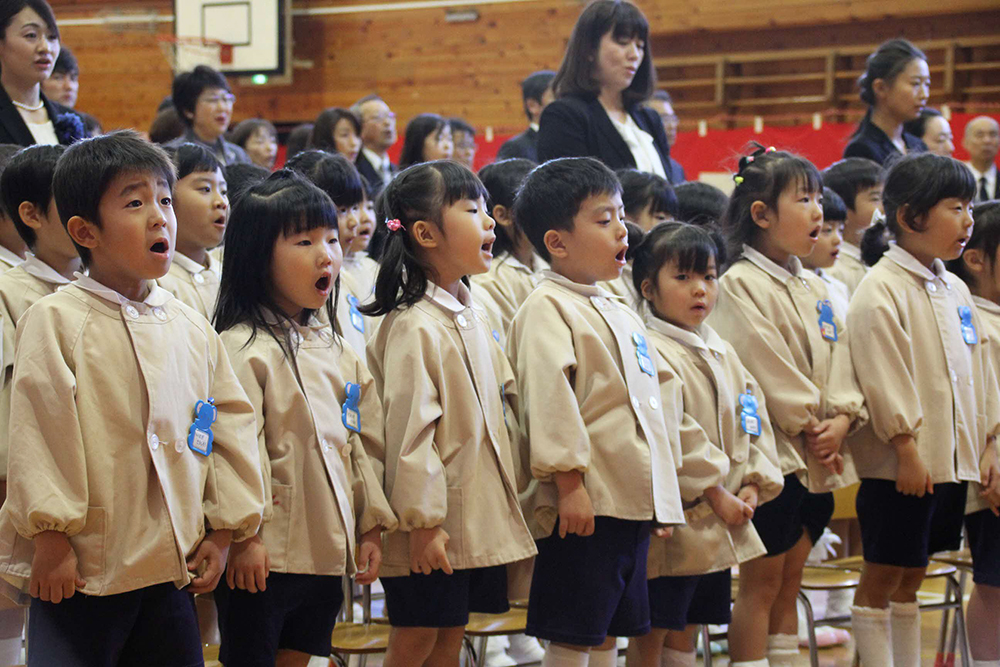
{"type": "Point", "coordinates": [827, 327]}
{"type": "Point", "coordinates": [749, 419]}
{"type": "Point", "coordinates": [350, 413]}
{"type": "Point", "coordinates": [969, 334]}
{"type": "Point", "coordinates": [357, 319]}
{"type": "Point", "coordinates": [200, 436]}
{"type": "Point", "coordinates": [642, 354]}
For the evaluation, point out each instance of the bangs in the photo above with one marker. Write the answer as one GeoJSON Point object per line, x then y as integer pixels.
{"type": "Point", "coordinates": [957, 181]}
{"type": "Point", "coordinates": [190, 158]}
{"type": "Point", "coordinates": [459, 183]}
{"type": "Point", "coordinates": [664, 200]}
{"type": "Point", "coordinates": [314, 211]}
{"type": "Point", "coordinates": [799, 171]}
{"type": "Point", "coordinates": [627, 22]}
{"type": "Point", "coordinates": [692, 249]}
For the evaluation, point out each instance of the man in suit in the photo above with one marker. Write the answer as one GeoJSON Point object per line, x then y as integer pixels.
{"type": "Point", "coordinates": [378, 134]}
{"type": "Point", "coordinates": [982, 140]}
{"type": "Point", "coordinates": [536, 91]}
{"type": "Point", "coordinates": [661, 103]}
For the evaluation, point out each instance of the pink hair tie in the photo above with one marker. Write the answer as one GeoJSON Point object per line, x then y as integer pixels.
{"type": "Point", "coordinates": [394, 224]}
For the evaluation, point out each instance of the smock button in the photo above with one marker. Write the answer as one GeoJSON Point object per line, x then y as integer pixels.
{"type": "Point", "coordinates": [325, 335]}
{"type": "Point", "coordinates": [635, 402]}
{"type": "Point", "coordinates": [179, 445]}
{"type": "Point", "coordinates": [325, 443]}
{"type": "Point", "coordinates": [653, 403]}
{"type": "Point", "coordinates": [462, 322]}
{"type": "Point", "coordinates": [931, 287]}
{"type": "Point", "coordinates": [154, 441]}
{"type": "Point", "coordinates": [132, 311]}
{"type": "Point", "coordinates": [160, 314]}
{"type": "Point", "coordinates": [198, 278]}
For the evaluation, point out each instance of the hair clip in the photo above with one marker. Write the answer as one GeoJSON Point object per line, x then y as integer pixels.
{"type": "Point", "coordinates": [749, 159]}
{"type": "Point", "coordinates": [738, 180]}
{"type": "Point", "coordinates": [770, 149]}
{"type": "Point", "coordinates": [394, 224]}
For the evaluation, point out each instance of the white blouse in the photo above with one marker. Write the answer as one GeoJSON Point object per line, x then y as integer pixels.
{"type": "Point", "coordinates": [640, 142]}
{"type": "Point", "coordinates": [43, 133]}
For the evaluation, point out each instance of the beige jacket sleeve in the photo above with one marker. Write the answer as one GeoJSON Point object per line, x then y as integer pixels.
{"type": "Point", "coordinates": [234, 492]}
{"type": "Point", "coordinates": [883, 364]}
{"type": "Point", "coordinates": [47, 470]}
{"type": "Point", "coordinates": [412, 408]}
{"type": "Point", "coordinates": [792, 398]}
{"type": "Point", "coordinates": [251, 370]}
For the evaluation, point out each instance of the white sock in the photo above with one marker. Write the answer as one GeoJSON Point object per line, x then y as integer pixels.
{"type": "Point", "coordinates": [782, 650]}
{"type": "Point", "coordinates": [607, 658]}
{"type": "Point", "coordinates": [672, 658]}
{"type": "Point", "coordinates": [560, 656]}
{"type": "Point", "coordinates": [905, 634]}
{"type": "Point", "coordinates": [751, 663]}
{"type": "Point", "coordinates": [873, 635]}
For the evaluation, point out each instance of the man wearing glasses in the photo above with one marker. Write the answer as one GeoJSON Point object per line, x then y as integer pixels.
{"type": "Point", "coordinates": [378, 134]}
{"type": "Point", "coordinates": [661, 103]}
{"type": "Point", "coordinates": [204, 103]}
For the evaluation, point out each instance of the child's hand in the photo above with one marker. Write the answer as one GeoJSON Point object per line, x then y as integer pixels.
{"type": "Point", "coordinates": [576, 513]}
{"type": "Point", "coordinates": [249, 565]}
{"type": "Point", "coordinates": [734, 511]}
{"type": "Point", "coordinates": [912, 478]}
{"type": "Point", "coordinates": [54, 572]}
{"type": "Point", "coordinates": [428, 550]}
{"type": "Point", "coordinates": [750, 494]}
{"type": "Point", "coordinates": [369, 556]}
{"type": "Point", "coordinates": [663, 532]}
{"type": "Point", "coordinates": [824, 438]}
{"type": "Point", "coordinates": [209, 561]}
{"type": "Point", "coordinates": [989, 477]}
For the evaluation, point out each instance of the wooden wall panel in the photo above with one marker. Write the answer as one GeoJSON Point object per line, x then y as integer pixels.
{"type": "Point", "coordinates": [418, 62]}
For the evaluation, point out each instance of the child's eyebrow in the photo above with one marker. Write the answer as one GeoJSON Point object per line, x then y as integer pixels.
{"type": "Point", "coordinates": [132, 187]}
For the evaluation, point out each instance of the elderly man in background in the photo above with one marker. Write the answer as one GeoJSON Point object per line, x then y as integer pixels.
{"type": "Point", "coordinates": [982, 140]}
{"type": "Point", "coordinates": [661, 103]}
{"type": "Point", "coordinates": [378, 134]}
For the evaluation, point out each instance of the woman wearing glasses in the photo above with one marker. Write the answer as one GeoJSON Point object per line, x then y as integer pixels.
{"type": "Point", "coordinates": [204, 103]}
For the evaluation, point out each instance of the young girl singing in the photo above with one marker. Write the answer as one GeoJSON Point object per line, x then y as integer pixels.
{"type": "Point", "coordinates": [443, 380]}
{"type": "Point", "coordinates": [319, 426]}
{"type": "Point", "coordinates": [729, 463]}
{"type": "Point", "coordinates": [780, 320]}
{"type": "Point", "coordinates": [931, 392]}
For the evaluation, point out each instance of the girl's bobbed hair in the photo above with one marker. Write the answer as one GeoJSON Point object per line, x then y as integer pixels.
{"type": "Point", "coordinates": [420, 192]}
{"type": "Point", "coordinates": [985, 237]}
{"type": "Point", "coordinates": [284, 204]}
{"type": "Point", "coordinates": [691, 246]}
{"type": "Point", "coordinates": [762, 176]}
{"type": "Point", "coordinates": [914, 185]}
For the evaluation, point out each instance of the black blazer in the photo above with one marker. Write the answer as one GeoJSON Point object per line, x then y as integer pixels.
{"type": "Point", "coordinates": [676, 173]}
{"type": "Point", "coordinates": [871, 142]}
{"type": "Point", "coordinates": [13, 129]}
{"type": "Point", "coordinates": [524, 145]}
{"type": "Point", "coordinates": [579, 127]}
{"type": "Point", "coordinates": [370, 172]}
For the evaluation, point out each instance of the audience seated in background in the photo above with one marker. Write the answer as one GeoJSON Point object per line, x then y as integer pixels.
{"type": "Point", "coordinates": [204, 103]}
{"type": "Point", "coordinates": [298, 139]}
{"type": "Point", "coordinates": [63, 84]}
{"type": "Point", "coordinates": [536, 93]}
{"type": "Point", "coordinates": [338, 131]}
{"type": "Point", "coordinates": [428, 137]}
{"type": "Point", "coordinates": [463, 139]}
{"type": "Point", "coordinates": [663, 105]}
{"type": "Point", "coordinates": [259, 139]}
{"type": "Point", "coordinates": [982, 140]}
{"type": "Point", "coordinates": [934, 130]}
{"type": "Point", "coordinates": [378, 134]}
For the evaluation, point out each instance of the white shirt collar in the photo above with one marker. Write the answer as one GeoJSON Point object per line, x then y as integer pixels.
{"type": "Point", "coordinates": [157, 295]}
{"type": "Point", "coordinates": [579, 288]}
{"type": "Point", "coordinates": [704, 338]}
{"type": "Point", "coordinates": [851, 250]}
{"type": "Point", "coordinates": [39, 269]}
{"type": "Point", "coordinates": [986, 304]}
{"type": "Point", "coordinates": [990, 174]}
{"type": "Point", "coordinates": [193, 267]}
{"type": "Point", "coordinates": [445, 300]}
{"type": "Point", "coordinates": [781, 273]}
{"type": "Point", "coordinates": [378, 161]}
{"type": "Point", "coordinates": [911, 264]}
{"type": "Point", "coordinates": [8, 256]}
{"type": "Point", "coordinates": [534, 126]}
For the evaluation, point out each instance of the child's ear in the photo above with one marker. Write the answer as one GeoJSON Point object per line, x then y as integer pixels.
{"type": "Point", "coordinates": [555, 244]}
{"type": "Point", "coordinates": [503, 216]}
{"type": "Point", "coordinates": [425, 234]}
{"type": "Point", "coordinates": [30, 215]}
{"type": "Point", "coordinates": [648, 290]}
{"type": "Point", "coordinates": [84, 234]}
{"type": "Point", "coordinates": [761, 214]}
{"type": "Point", "coordinates": [903, 221]}
{"type": "Point", "coordinates": [975, 261]}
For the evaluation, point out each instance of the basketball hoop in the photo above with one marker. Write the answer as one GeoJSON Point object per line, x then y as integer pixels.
{"type": "Point", "coordinates": [186, 53]}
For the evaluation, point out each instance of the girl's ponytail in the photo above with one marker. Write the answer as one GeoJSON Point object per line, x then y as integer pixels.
{"type": "Point", "coordinates": [875, 242]}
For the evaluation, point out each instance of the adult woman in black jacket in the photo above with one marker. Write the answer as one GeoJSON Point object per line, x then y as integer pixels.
{"type": "Point", "coordinates": [605, 76]}
{"type": "Point", "coordinates": [29, 46]}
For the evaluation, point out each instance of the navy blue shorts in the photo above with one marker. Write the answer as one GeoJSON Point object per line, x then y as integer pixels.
{"type": "Point", "coordinates": [295, 612]}
{"type": "Point", "coordinates": [677, 602]}
{"type": "Point", "coordinates": [155, 626]}
{"type": "Point", "coordinates": [585, 589]}
{"type": "Point", "coordinates": [984, 542]}
{"type": "Point", "coordinates": [781, 521]}
{"type": "Point", "coordinates": [439, 600]}
{"type": "Point", "coordinates": [904, 530]}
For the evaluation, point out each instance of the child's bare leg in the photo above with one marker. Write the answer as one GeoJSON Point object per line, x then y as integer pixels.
{"type": "Point", "coordinates": [760, 583]}
{"type": "Point", "coordinates": [410, 647]}
{"type": "Point", "coordinates": [983, 619]}
{"type": "Point", "coordinates": [645, 651]}
{"type": "Point", "coordinates": [447, 648]}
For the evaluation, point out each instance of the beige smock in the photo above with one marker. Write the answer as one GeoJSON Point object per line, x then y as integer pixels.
{"type": "Point", "coordinates": [716, 450]}
{"type": "Point", "coordinates": [105, 392]}
{"type": "Point", "coordinates": [443, 379]}
{"type": "Point", "coordinates": [989, 315]}
{"type": "Point", "coordinates": [508, 283]}
{"type": "Point", "coordinates": [323, 490]}
{"type": "Point", "coordinates": [586, 405]}
{"type": "Point", "coordinates": [8, 260]}
{"type": "Point", "coordinates": [193, 283]}
{"type": "Point", "coordinates": [770, 315]}
{"type": "Point", "coordinates": [919, 376]}
{"type": "Point", "coordinates": [849, 269]}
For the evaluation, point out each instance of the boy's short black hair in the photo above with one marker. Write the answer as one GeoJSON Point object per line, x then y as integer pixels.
{"type": "Point", "coordinates": [188, 87]}
{"type": "Point", "coordinates": [66, 62]}
{"type": "Point", "coordinates": [189, 158]}
{"type": "Point", "coordinates": [28, 178]}
{"type": "Point", "coordinates": [700, 203]}
{"type": "Point", "coordinates": [87, 168]}
{"type": "Point", "coordinates": [332, 173]}
{"type": "Point", "coordinates": [534, 87]}
{"type": "Point", "coordinates": [851, 175]}
{"type": "Point", "coordinates": [7, 151]}
{"type": "Point", "coordinates": [834, 208]}
{"type": "Point", "coordinates": [552, 194]}
{"type": "Point", "coordinates": [240, 177]}
{"type": "Point", "coordinates": [641, 189]}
